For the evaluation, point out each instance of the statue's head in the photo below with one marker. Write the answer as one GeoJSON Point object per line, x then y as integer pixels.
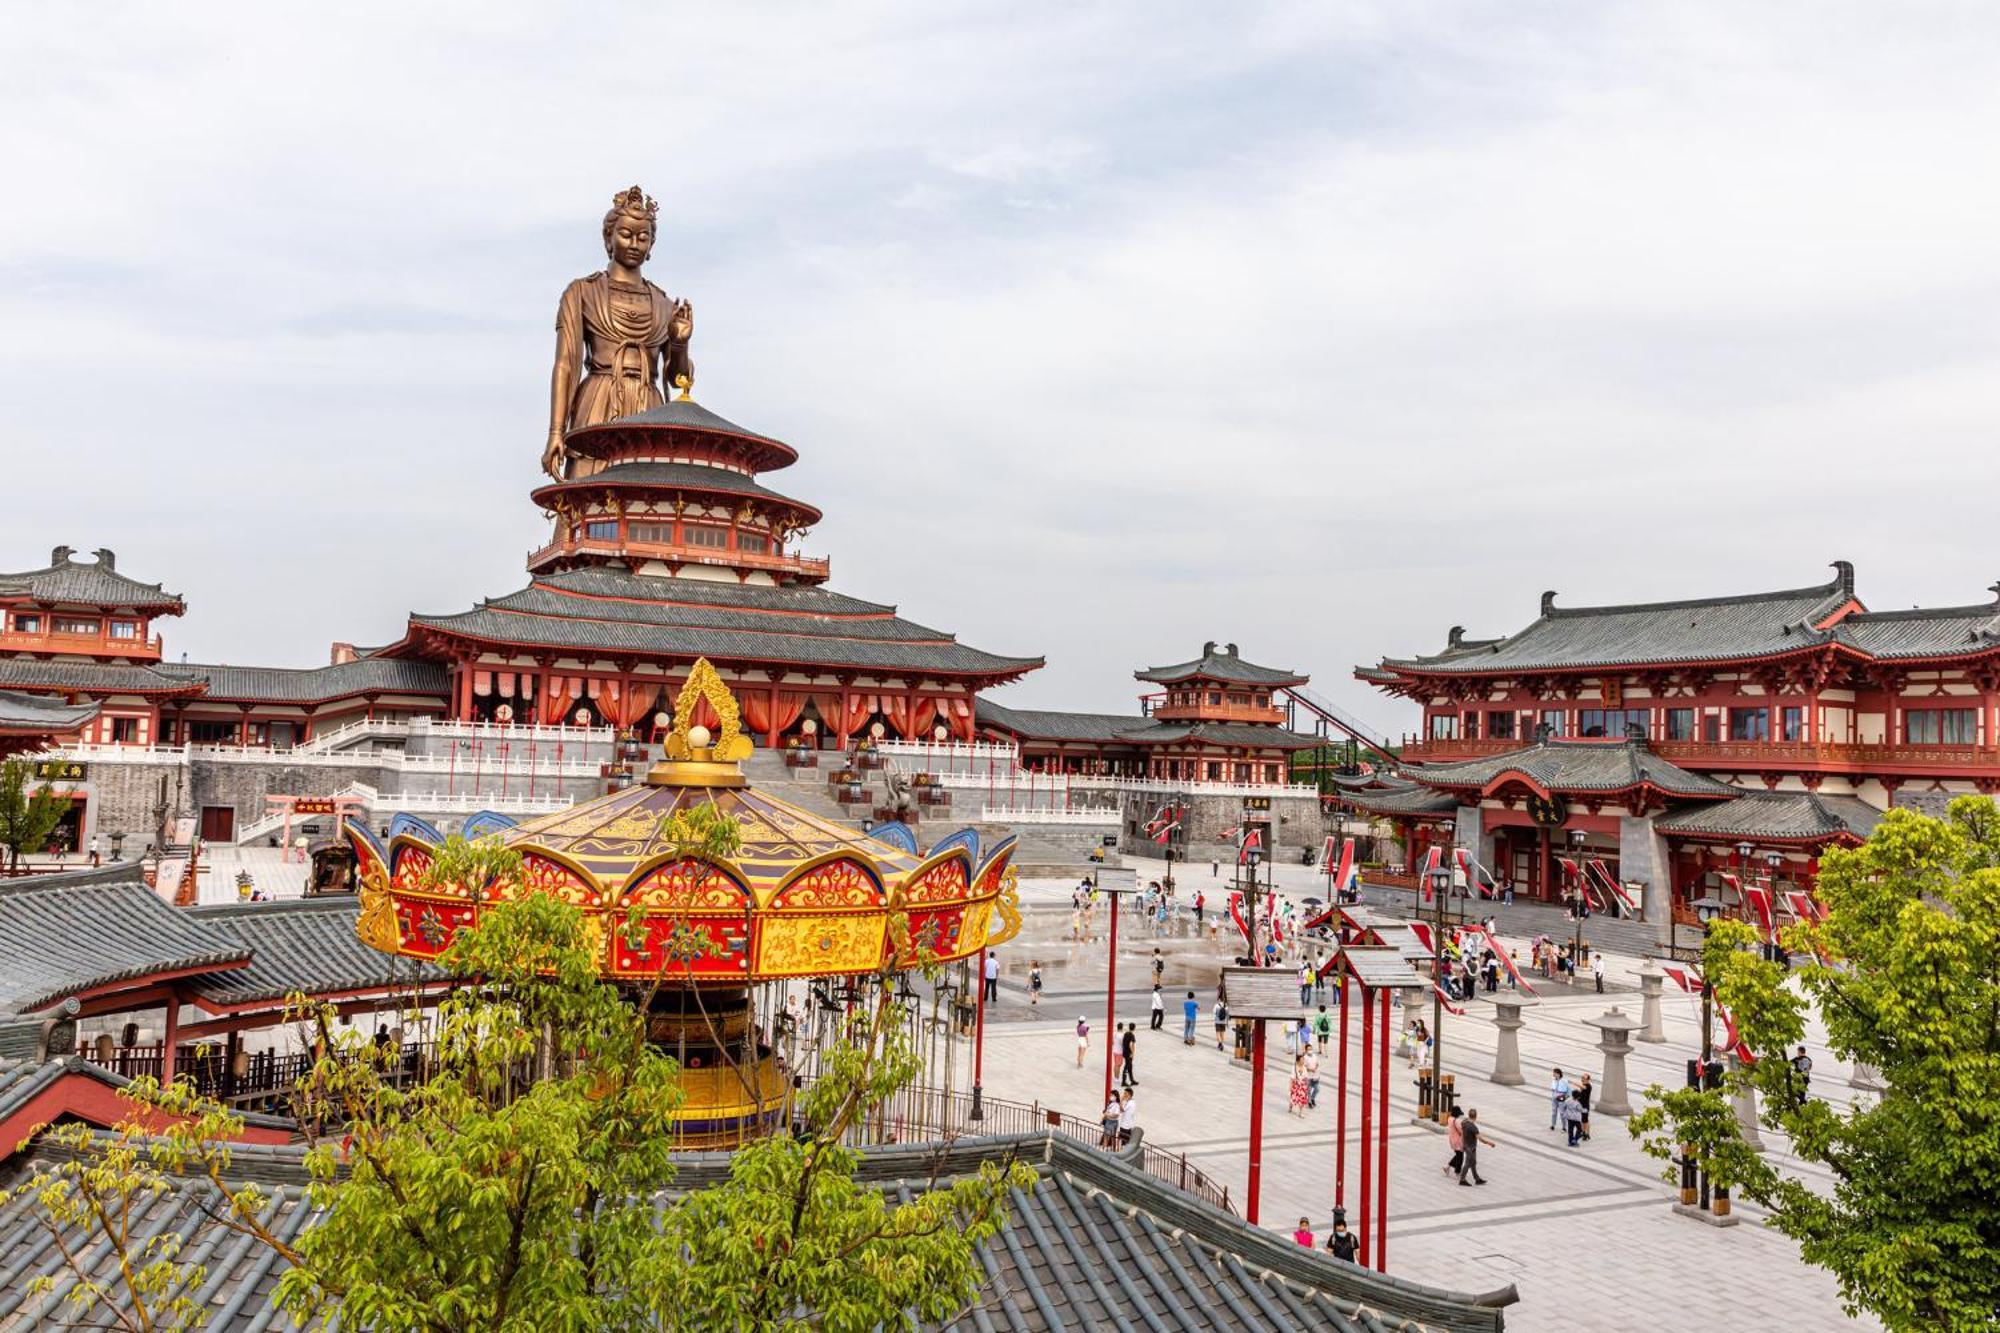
{"type": "Point", "coordinates": [628, 227]}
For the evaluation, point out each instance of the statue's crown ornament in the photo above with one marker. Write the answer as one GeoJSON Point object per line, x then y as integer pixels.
{"type": "Point", "coordinates": [636, 202]}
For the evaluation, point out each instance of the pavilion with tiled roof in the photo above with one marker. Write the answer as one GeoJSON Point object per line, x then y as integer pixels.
{"type": "Point", "coordinates": [33, 721]}
{"type": "Point", "coordinates": [1215, 721]}
{"type": "Point", "coordinates": [1823, 711]}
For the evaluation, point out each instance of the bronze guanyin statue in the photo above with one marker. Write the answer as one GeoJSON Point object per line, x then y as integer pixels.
{"type": "Point", "coordinates": [621, 342]}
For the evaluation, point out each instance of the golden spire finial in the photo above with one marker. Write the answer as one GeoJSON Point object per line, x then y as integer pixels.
{"type": "Point", "coordinates": [688, 753]}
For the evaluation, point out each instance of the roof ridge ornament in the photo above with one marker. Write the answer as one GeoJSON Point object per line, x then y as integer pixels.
{"type": "Point", "coordinates": [1549, 603]}
{"type": "Point", "coordinates": [689, 745]}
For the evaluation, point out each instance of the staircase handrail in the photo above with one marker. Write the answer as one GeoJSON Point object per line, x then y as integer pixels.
{"type": "Point", "coordinates": [1335, 716]}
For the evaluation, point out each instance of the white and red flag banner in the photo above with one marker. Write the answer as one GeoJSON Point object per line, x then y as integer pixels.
{"type": "Point", "coordinates": [1433, 858]}
{"type": "Point", "coordinates": [1253, 841]}
{"type": "Point", "coordinates": [1609, 884]}
{"type": "Point", "coordinates": [1165, 832]}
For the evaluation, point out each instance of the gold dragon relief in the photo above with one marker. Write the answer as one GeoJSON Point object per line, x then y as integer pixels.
{"type": "Point", "coordinates": [1008, 905]}
{"type": "Point", "coordinates": [820, 944]}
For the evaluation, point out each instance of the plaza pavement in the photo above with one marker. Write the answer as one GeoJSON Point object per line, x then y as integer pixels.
{"type": "Point", "coordinates": [1586, 1234]}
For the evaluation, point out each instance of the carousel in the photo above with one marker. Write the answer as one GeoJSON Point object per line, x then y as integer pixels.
{"type": "Point", "coordinates": [753, 963]}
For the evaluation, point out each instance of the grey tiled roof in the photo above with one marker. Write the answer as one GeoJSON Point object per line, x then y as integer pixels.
{"type": "Point", "coordinates": [600, 581]}
{"type": "Point", "coordinates": [1096, 1244]}
{"type": "Point", "coordinates": [39, 712]}
{"type": "Point", "coordinates": [675, 476]}
{"type": "Point", "coordinates": [1798, 816]}
{"type": "Point", "coordinates": [1221, 665]}
{"type": "Point", "coordinates": [938, 658]}
{"type": "Point", "coordinates": [1238, 734]}
{"type": "Point", "coordinates": [307, 944]}
{"type": "Point", "coordinates": [1576, 766]}
{"type": "Point", "coordinates": [68, 935]}
{"type": "Point", "coordinates": [1405, 799]}
{"type": "Point", "coordinates": [87, 583]}
{"type": "Point", "coordinates": [1046, 725]}
{"type": "Point", "coordinates": [312, 684]}
{"type": "Point", "coordinates": [682, 415]}
{"type": "Point", "coordinates": [96, 677]}
{"type": "Point", "coordinates": [536, 599]}
{"type": "Point", "coordinates": [1753, 625]}
{"type": "Point", "coordinates": [1941, 632]}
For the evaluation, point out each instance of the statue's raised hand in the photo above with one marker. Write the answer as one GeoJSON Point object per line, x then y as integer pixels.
{"type": "Point", "coordinates": [681, 324]}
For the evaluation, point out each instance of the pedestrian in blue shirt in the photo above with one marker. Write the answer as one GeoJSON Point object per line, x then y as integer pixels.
{"type": "Point", "coordinates": [1189, 1012]}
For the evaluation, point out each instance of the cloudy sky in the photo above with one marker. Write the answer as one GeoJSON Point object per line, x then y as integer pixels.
{"type": "Point", "coordinates": [1101, 330]}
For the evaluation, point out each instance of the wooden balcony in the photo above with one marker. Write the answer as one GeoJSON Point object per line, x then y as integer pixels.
{"type": "Point", "coordinates": [1224, 712]}
{"type": "Point", "coordinates": [49, 642]}
{"type": "Point", "coordinates": [1777, 756]}
{"type": "Point", "coordinates": [804, 568]}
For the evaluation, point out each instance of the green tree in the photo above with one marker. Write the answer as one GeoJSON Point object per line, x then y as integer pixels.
{"type": "Point", "coordinates": [1909, 983]}
{"type": "Point", "coordinates": [528, 1183]}
{"type": "Point", "coordinates": [26, 818]}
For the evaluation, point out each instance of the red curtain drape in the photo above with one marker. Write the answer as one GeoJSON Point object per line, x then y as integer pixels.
{"type": "Point", "coordinates": [791, 703]}
{"type": "Point", "coordinates": [921, 718]}
{"type": "Point", "coordinates": [756, 706]}
{"type": "Point", "coordinates": [555, 702]}
{"type": "Point", "coordinates": [640, 696]}
{"type": "Point", "coordinates": [897, 707]}
{"type": "Point", "coordinates": [859, 706]}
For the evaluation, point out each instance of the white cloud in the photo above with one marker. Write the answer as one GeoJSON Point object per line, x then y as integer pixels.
{"type": "Point", "coordinates": [1101, 332]}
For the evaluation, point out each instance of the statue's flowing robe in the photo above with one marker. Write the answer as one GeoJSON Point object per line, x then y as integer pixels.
{"type": "Point", "coordinates": [621, 335]}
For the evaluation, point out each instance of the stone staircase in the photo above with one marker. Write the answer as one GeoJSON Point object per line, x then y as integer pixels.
{"type": "Point", "coordinates": [803, 787]}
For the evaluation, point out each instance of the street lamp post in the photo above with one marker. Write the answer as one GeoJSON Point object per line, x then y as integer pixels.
{"type": "Point", "coordinates": [1111, 896]}
{"type": "Point", "coordinates": [1706, 909]}
{"type": "Point", "coordinates": [1576, 836]}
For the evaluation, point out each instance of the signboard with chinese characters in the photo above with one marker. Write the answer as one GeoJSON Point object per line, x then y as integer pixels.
{"type": "Point", "coordinates": [61, 770]}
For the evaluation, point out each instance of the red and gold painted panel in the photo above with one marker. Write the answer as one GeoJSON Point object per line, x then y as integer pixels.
{"type": "Point", "coordinates": [699, 949]}
{"type": "Point", "coordinates": [943, 879]}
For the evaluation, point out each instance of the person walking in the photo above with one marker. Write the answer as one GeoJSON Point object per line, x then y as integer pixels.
{"type": "Point", "coordinates": [1305, 985]}
{"type": "Point", "coordinates": [1581, 1096]}
{"type": "Point", "coordinates": [1108, 1123]}
{"type": "Point", "coordinates": [1190, 1012]}
{"type": "Point", "coordinates": [1420, 1042]}
{"type": "Point", "coordinates": [1558, 1094]}
{"type": "Point", "coordinates": [1298, 1088]}
{"type": "Point", "coordinates": [1129, 1047]}
{"type": "Point", "coordinates": [1312, 1079]}
{"type": "Point", "coordinates": [1801, 1079]}
{"type": "Point", "coordinates": [1035, 984]}
{"type": "Point", "coordinates": [1572, 1118]}
{"type": "Point", "coordinates": [1454, 1133]}
{"type": "Point", "coordinates": [1469, 1132]}
{"type": "Point", "coordinates": [1159, 1019]}
{"type": "Point", "coordinates": [1082, 1040]}
{"type": "Point", "coordinates": [1319, 976]}
{"type": "Point", "coordinates": [1303, 1234]}
{"type": "Point", "coordinates": [1340, 1241]}
{"type": "Point", "coordinates": [1200, 905]}
{"type": "Point", "coordinates": [1597, 970]}
{"type": "Point", "coordinates": [992, 976]}
{"type": "Point", "coordinates": [1221, 1020]}
{"type": "Point", "coordinates": [1322, 1029]}
{"type": "Point", "coordinates": [1159, 966]}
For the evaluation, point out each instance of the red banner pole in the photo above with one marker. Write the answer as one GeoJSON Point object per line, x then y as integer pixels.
{"type": "Point", "coordinates": [1111, 997]}
{"type": "Point", "coordinates": [1256, 1121]}
{"type": "Point", "coordinates": [1340, 1099]}
{"type": "Point", "coordinates": [979, 1042]}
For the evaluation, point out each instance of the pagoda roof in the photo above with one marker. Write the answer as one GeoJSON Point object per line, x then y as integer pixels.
{"type": "Point", "coordinates": [1408, 799]}
{"type": "Point", "coordinates": [1574, 767]}
{"type": "Point", "coordinates": [687, 618]}
{"type": "Point", "coordinates": [38, 714]}
{"type": "Point", "coordinates": [23, 673]}
{"type": "Point", "coordinates": [1128, 729]}
{"type": "Point", "coordinates": [1234, 735]}
{"type": "Point", "coordinates": [1048, 725]}
{"type": "Point", "coordinates": [338, 680]}
{"type": "Point", "coordinates": [677, 477]}
{"type": "Point", "coordinates": [685, 417]}
{"type": "Point", "coordinates": [1743, 626]}
{"type": "Point", "coordinates": [1777, 816]}
{"type": "Point", "coordinates": [69, 581]}
{"type": "Point", "coordinates": [1172, 1260]}
{"type": "Point", "coordinates": [76, 934]}
{"type": "Point", "coordinates": [1953, 631]}
{"type": "Point", "coordinates": [1225, 665]}
{"type": "Point", "coordinates": [306, 945]}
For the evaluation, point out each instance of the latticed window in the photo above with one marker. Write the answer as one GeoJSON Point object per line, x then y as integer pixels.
{"type": "Point", "coordinates": [659, 533]}
{"type": "Point", "coordinates": [1749, 724]}
{"type": "Point", "coordinates": [706, 534]}
{"type": "Point", "coordinates": [1941, 726]}
{"type": "Point", "coordinates": [1680, 724]}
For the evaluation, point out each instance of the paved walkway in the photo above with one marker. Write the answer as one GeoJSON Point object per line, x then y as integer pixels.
{"type": "Point", "coordinates": [1586, 1234]}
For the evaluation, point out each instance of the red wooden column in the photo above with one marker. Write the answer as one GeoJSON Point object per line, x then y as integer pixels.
{"type": "Point", "coordinates": [1365, 1229]}
{"type": "Point", "coordinates": [1340, 1096]}
{"type": "Point", "coordinates": [1382, 1129]}
{"type": "Point", "coordinates": [1256, 1121]}
{"type": "Point", "coordinates": [1110, 994]}
{"type": "Point", "coordinates": [172, 1037]}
